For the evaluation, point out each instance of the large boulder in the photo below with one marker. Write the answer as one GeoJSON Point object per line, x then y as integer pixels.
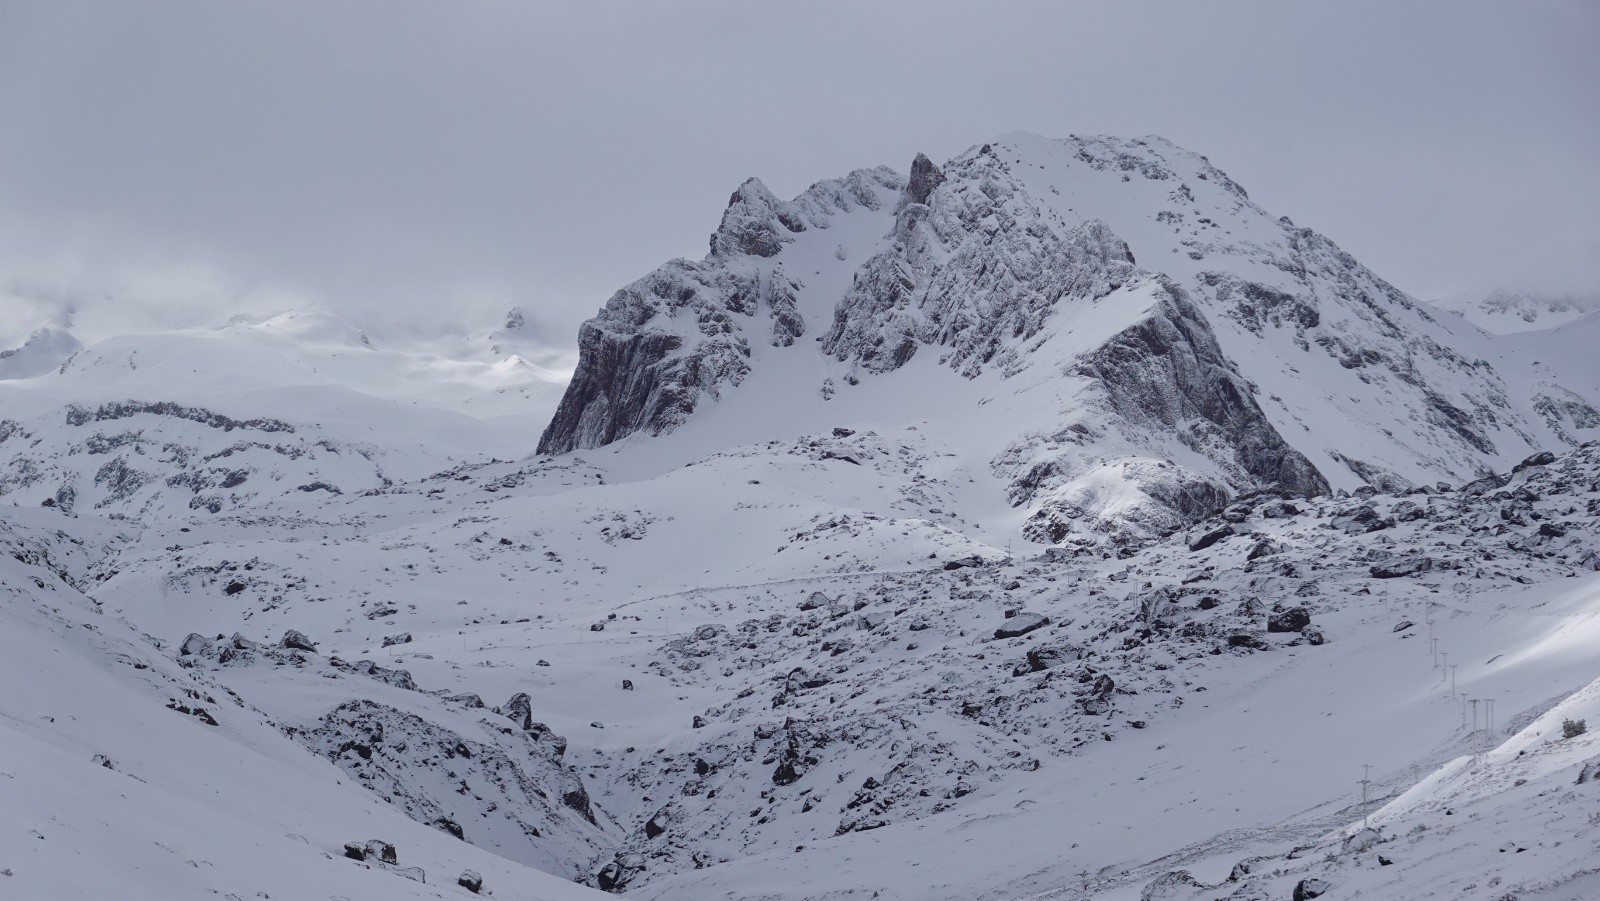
{"type": "Point", "coordinates": [195, 645]}
{"type": "Point", "coordinates": [519, 709]}
{"type": "Point", "coordinates": [297, 641]}
{"type": "Point", "coordinates": [1292, 620]}
{"type": "Point", "coordinates": [1022, 624]}
{"type": "Point", "coordinates": [1210, 538]}
{"type": "Point", "coordinates": [1357, 520]}
{"type": "Point", "coordinates": [1395, 569]}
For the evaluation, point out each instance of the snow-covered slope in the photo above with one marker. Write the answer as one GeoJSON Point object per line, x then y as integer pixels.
{"type": "Point", "coordinates": [1049, 524]}
{"type": "Point", "coordinates": [803, 673]}
{"type": "Point", "coordinates": [124, 775]}
{"type": "Point", "coordinates": [205, 419]}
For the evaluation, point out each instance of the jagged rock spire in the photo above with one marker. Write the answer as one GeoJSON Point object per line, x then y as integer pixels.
{"type": "Point", "coordinates": [925, 176]}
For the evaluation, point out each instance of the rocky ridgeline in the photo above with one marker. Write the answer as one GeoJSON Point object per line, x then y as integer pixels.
{"type": "Point", "coordinates": [146, 458]}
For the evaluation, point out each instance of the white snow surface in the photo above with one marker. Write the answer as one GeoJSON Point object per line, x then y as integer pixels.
{"type": "Point", "coordinates": [758, 651]}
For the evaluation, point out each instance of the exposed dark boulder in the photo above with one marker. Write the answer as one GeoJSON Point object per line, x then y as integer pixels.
{"type": "Point", "coordinates": [380, 850]}
{"type": "Point", "coordinates": [1542, 458]}
{"type": "Point", "coordinates": [295, 640]}
{"type": "Point", "coordinates": [1210, 538]}
{"type": "Point", "coordinates": [1292, 620]}
{"type": "Point", "coordinates": [1478, 487]}
{"type": "Point", "coordinates": [194, 645]}
{"type": "Point", "coordinates": [656, 826]}
{"type": "Point", "coordinates": [1022, 624]}
{"type": "Point", "coordinates": [519, 709]}
{"type": "Point", "coordinates": [1279, 510]}
{"type": "Point", "coordinates": [1041, 659]}
{"type": "Point", "coordinates": [1395, 569]}
{"type": "Point", "coordinates": [446, 824]}
{"type": "Point", "coordinates": [1356, 520]}
{"type": "Point", "coordinates": [471, 881]}
{"type": "Point", "coordinates": [615, 875]}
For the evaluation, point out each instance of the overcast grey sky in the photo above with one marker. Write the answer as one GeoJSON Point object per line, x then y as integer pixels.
{"type": "Point", "coordinates": [421, 161]}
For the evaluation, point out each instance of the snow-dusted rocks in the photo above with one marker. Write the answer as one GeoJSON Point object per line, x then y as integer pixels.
{"type": "Point", "coordinates": [297, 640]}
{"type": "Point", "coordinates": [505, 790]}
{"type": "Point", "coordinates": [1021, 624]}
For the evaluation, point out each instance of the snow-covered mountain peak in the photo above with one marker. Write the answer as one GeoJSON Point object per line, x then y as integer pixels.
{"type": "Point", "coordinates": [45, 349]}
{"type": "Point", "coordinates": [1047, 257]}
{"type": "Point", "coordinates": [1504, 311]}
{"type": "Point", "coordinates": [305, 326]}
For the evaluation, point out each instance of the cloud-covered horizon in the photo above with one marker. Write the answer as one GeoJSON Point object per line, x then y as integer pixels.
{"type": "Point", "coordinates": [427, 166]}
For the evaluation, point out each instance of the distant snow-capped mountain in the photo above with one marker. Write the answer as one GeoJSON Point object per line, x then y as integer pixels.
{"type": "Point", "coordinates": [258, 410]}
{"type": "Point", "coordinates": [44, 350]}
{"type": "Point", "coordinates": [1503, 311]}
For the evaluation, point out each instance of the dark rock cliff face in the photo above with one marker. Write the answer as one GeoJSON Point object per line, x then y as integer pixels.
{"type": "Point", "coordinates": [1168, 373]}
{"type": "Point", "coordinates": [682, 334]}
{"type": "Point", "coordinates": [1153, 390]}
{"type": "Point", "coordinates": [925, 176]}
{"type": "Point", "coordinates": [635, 372]}
{"type": "Point", "coordinates": [619, 390]}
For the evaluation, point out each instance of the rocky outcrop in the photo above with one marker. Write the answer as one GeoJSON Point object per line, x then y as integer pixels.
{"type": "Point", "coordinates": [683, 333]}
{"type": "Point", "coordinates": [1155, 393]}
{"type": "Point", "coordinates": [659, 345]}
{"type": "Point", "coordinates": [976, 266]}
{"type": "Point", "coordinates": [755, 223]}
{"type": "Point", "coordinates": [1168, 374]}
{"type": "Point", "coordinates": [925, 176]}
{"type": "Point", "coordinates": [511, 794]}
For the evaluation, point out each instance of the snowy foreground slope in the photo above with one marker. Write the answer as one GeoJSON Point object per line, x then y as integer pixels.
{"type": "Point", "coordinates": [125, 775]}
{"type": "Point", "coordinates": [1055, 569]}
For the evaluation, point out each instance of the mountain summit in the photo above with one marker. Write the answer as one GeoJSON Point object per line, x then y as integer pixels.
{"type": "Point", "coordinates": [1109, 325]}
